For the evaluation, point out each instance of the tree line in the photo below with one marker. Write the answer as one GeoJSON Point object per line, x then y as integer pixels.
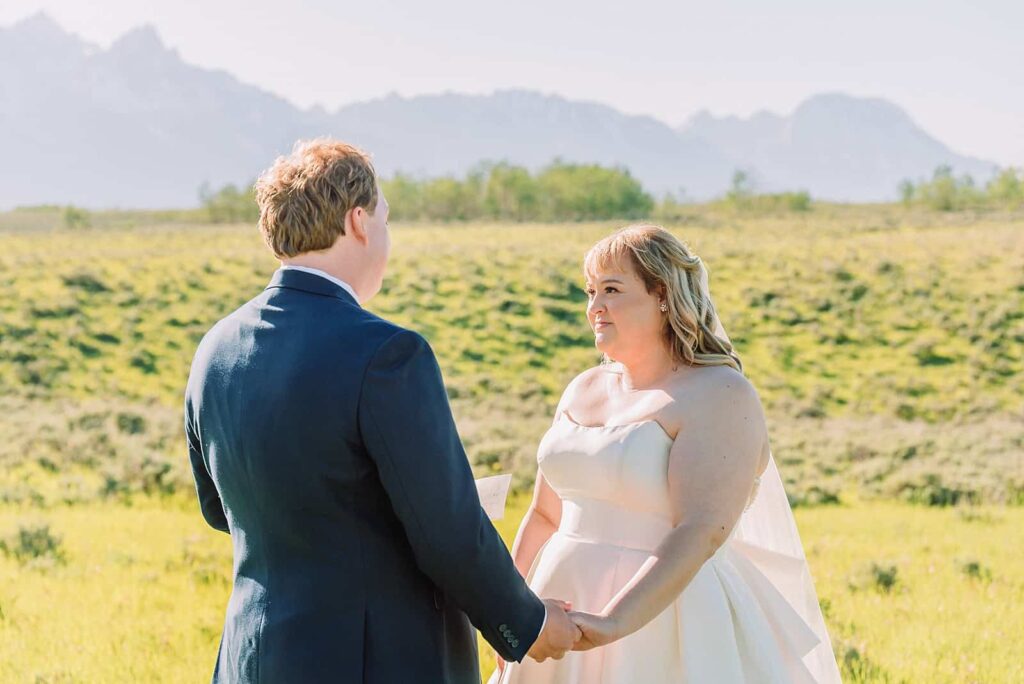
{"type": "Point", "coordinates": [505, 192]}
{"type": "Point", "coordinates": [586, 192]}
{"type": "Point", "coordinates": [502, 191]}
{"type": "Point", "coordinates": [946, 192]}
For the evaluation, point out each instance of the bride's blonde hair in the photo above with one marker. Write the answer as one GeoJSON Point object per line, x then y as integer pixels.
{"type": "Point", "coordinates": [666, 264]}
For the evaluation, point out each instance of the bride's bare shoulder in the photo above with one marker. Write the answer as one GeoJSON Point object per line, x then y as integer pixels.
{"type": "Point", "coordinates": [583, 384]}
{"type": "Point", "coordinates": [596, 374]}
{"type": "Point", "coordinates": [713, 386]}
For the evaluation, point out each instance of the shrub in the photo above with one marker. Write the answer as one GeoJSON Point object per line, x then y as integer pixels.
{"type": "Point", "coordinates": [857, 667]}
{"type": "Point", "coordinates": [932, 491]}
{"type": "Point", "coordinates": [741, 195]}
{"type": "Point", "coordinates": [1007, 188]}
{"type": "Point", "coordinates": [976, 571]}
{"type": "Point", "coordinates": [885, 576]}
{"type": "Point", "coordinates": [879, 577]}
{"type": "Point", "coordinates": [34, 544]}
{"type": "Point", "coordinates": [230, 204]}
{"type": "Point", "coordinates": [152, 474]}
{"type": "Point", "coordinates": [814, 495]}
{"type": "Point", "coordinates": [75, 217]}
{"type": "Point", "coordinates": [85, 281]}
{"type": "Point", "coordinates": [131, 423]}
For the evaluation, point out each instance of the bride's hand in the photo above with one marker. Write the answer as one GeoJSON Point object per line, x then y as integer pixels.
{"type": "Point", "coordinates": [598, 630]}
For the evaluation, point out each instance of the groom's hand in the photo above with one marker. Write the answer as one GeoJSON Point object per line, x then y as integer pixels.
{"type": "Point", "coordinates": [560, 633]}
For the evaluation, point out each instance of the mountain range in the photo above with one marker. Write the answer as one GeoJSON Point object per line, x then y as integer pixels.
{"type": "Point", "coordinates": [134, 125]}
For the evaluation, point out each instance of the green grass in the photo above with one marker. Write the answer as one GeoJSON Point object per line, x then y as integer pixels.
{"type": "Point", "coordinates": [887, 345]}
{"type": "Point", "coordinates": [142, 592]}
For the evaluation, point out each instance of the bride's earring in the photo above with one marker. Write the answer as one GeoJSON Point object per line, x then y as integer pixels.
{"type": "Point", "coordinates": [663, 307]}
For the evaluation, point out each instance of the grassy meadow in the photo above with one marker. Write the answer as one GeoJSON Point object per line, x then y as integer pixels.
{"type": "Point", "coordinates": [911, 594]}
{"type": "Point", "coordinates": [886, 344]}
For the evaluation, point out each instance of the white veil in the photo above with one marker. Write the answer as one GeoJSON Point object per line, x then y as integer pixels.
{"type": "Point", "coordinates": [767, 536]}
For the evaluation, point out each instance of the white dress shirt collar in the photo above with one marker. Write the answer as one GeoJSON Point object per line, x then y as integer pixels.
{"type": "Point", "coordinates": [316, 271]}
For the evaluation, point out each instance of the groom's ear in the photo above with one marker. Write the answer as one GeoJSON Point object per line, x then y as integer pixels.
{"type": "Point", "coordinates": [355, 224]}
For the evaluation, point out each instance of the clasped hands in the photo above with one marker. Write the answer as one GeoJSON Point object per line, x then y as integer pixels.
{"type": "Point", "coordinates": [568, 630]}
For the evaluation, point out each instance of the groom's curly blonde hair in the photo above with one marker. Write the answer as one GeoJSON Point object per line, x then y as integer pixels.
{"type": "Point", "coordinates": [303, 198]}
{"type": "Point", "coordinates": [667, 266]}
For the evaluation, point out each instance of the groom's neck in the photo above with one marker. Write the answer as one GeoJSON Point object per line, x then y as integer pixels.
{"type": "Point", "coordinates": [331, 264]}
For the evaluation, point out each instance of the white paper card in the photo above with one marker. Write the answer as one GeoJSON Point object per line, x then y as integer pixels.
{"type": "Point", "coordinates": [493, 491]}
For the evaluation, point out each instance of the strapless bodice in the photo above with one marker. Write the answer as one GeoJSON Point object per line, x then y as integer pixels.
{"type": "Point", "coordinates": [613, 481]}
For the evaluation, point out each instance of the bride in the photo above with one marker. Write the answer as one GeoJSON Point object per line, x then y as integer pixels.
{"type": "Point", "coordinates": [658, 511]}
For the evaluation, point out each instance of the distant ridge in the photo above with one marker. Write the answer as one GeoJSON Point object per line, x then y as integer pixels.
{"type": "Point", "coordinates": [134, 125]}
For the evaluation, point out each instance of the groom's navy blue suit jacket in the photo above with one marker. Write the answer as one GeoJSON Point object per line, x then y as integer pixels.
{"type": "Point", "coordinates": [321, 438]}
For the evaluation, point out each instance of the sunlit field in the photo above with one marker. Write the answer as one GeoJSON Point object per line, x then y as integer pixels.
{"type": "Point", "coordinates": [886, 345]}
{"type": "Point", "coordinates": [911, 594]}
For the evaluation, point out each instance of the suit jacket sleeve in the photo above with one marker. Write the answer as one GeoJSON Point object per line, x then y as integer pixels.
{"type": "Point", "coordinates": [209, 500]}
{"type": "Point", "coordinates": [409, 432]}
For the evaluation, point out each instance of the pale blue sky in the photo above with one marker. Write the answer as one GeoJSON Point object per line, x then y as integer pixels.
{"type": "Point", "coordinates": [956, 67]}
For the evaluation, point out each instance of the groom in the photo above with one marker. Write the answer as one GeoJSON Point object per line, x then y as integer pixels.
{"type": "Point", "coordinates": [321, 439]}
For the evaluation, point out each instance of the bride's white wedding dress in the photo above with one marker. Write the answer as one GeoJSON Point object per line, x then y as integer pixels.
{"type": "Point", "coordinates": [750, 615]}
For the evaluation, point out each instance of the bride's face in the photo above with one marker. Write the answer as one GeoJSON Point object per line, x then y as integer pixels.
{"type": "Point", "coordinates": [623, 315]}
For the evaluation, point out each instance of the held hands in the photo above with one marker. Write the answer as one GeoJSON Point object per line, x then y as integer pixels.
{"type": "Point", "coordinates": [560, 634]}
{"type": "Point", "coordinates": [598, 630]}
{"type": "Point", "coordinates": [566, 630]}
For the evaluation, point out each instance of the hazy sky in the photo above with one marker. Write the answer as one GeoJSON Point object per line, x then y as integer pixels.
{"type": "Point", "coordinates": [956, 67]}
